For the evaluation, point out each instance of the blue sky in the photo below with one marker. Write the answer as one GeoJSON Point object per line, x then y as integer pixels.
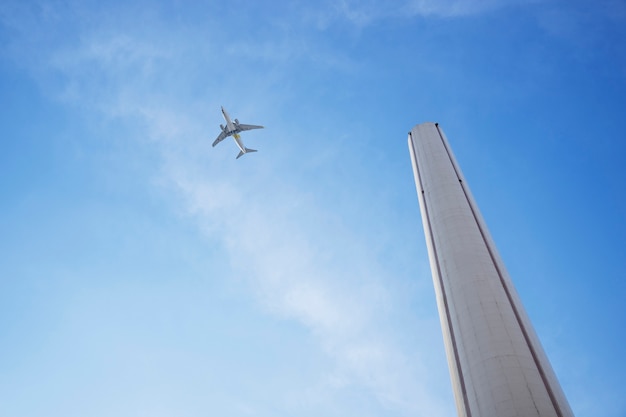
{"type": "Point", "coordinates": [144, 273]}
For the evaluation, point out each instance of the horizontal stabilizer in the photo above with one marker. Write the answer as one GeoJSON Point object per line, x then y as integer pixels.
{"type": "Point", "coordinates": [247, 150]}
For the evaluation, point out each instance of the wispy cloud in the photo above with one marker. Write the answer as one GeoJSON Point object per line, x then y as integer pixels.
{"type": "Point", "coordinates": [301, 260]}
{"type": "Point", "coordinates": [304, 265]}
{"type": "Point", "coordinates": [363, 12]}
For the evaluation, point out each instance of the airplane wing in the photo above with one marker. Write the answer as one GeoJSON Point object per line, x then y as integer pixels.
{"type": "Point", "coordinates": [220, 138]}
{"type": "Point", "coordinates": [248, 127]}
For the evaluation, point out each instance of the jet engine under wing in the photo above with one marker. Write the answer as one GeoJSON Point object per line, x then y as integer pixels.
{"type": "Point", "coordinates": [248, 127]}
{"type": "Point", "coordinates": [220, 138]}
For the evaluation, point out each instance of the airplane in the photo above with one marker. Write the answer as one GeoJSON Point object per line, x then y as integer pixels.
{"type": "Point", "coordinates": [233, 128]}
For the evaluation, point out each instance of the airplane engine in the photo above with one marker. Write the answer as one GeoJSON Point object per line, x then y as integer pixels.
{"type": "Point", "coordinates": [222, 127]}
{"type": "Point", "coordinates": [236, 121]}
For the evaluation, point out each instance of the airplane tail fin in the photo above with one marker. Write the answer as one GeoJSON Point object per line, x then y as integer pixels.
{"type": "Point", "coordinates": [247, 151]}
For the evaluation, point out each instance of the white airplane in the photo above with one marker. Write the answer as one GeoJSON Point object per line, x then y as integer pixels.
{"type": "Point", "coordinates": [233, 128]}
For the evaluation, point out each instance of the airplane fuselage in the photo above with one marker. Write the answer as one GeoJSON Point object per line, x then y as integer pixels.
{"type": "Point", "coordinates": [229, 124]}
{"type": "Point", "coordinates": [239, 143]}
{"type": "Point", "coordinates": [230, 127]}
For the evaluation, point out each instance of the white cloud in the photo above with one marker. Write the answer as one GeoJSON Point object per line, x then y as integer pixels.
{"type": "Point", "coordinates": [297, 256]}
{"type": "Point", "coordinates": [363, 12]}
{"type": "Point", "coordinates": [304, 264]}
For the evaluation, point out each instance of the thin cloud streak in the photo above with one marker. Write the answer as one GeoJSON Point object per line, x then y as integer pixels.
{"type": "Point", "coordinates": [295, 278]}
{"type": "Point", "coordinates": [361, 13]}
{"type": "Point", "coordinates": [301, 261]}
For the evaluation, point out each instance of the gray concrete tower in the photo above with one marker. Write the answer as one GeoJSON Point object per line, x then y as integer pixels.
{"type": "Point", "coordinates": [497, 365]}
